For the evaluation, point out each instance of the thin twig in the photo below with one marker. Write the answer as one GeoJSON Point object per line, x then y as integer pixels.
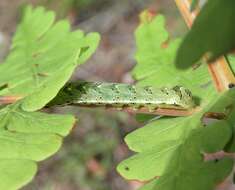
{"type": "Point", "coordinates": [4, 100]}
{"type": "Point", "coordinates": [157, 111]}
{"type": "Point", "coordinates": [161, 111]}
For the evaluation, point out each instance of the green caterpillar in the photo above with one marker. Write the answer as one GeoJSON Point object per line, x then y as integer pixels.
{"type": "Point", "coordinates": [120, 95]}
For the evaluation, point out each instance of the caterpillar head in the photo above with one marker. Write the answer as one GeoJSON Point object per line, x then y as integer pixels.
{"type": "Point", "coordinates": [185, 98]}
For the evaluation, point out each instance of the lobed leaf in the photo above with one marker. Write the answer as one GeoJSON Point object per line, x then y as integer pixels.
{"type": "Point", "coordinates": [170, 151]}
{"type": "Point", "coordinates": [27, 137]}
{"type": "Point", "coordinates": [42, 58]}
{"type": "Point", "coordinates": [190, 170]}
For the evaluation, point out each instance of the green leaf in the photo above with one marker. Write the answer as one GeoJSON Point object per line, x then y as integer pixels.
{"type": "Point", "coordinates": [42, 122]}
{"type": "Point", "coordinates": [212, 33]}
{"type": "Point", "coordinates": [201, 174]}
{"type": "Point", "coordinates": [43, 57]}
{"type": "Point", "coordinates": [155, 63]}
{"type": "Point", "coordinates": [165, 143]}
{"type": "Point", "coordinates": [16, 172]}
{"type": "Point", "coordinates": [171, 149]}
{"type": "Point", "coordinates": [27, 137]}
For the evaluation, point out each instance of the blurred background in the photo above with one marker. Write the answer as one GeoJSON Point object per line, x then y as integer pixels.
{"type": "Point", "coordinates": [89, 155]}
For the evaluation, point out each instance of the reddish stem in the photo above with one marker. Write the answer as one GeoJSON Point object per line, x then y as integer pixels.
{"type": "Point", "coordinates": [9, 99]}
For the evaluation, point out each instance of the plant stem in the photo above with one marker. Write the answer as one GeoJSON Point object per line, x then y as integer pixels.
{"type": "Point", "coordinates": [9, 99]}
{"type": "Point", "coordinates": [160, 111]}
